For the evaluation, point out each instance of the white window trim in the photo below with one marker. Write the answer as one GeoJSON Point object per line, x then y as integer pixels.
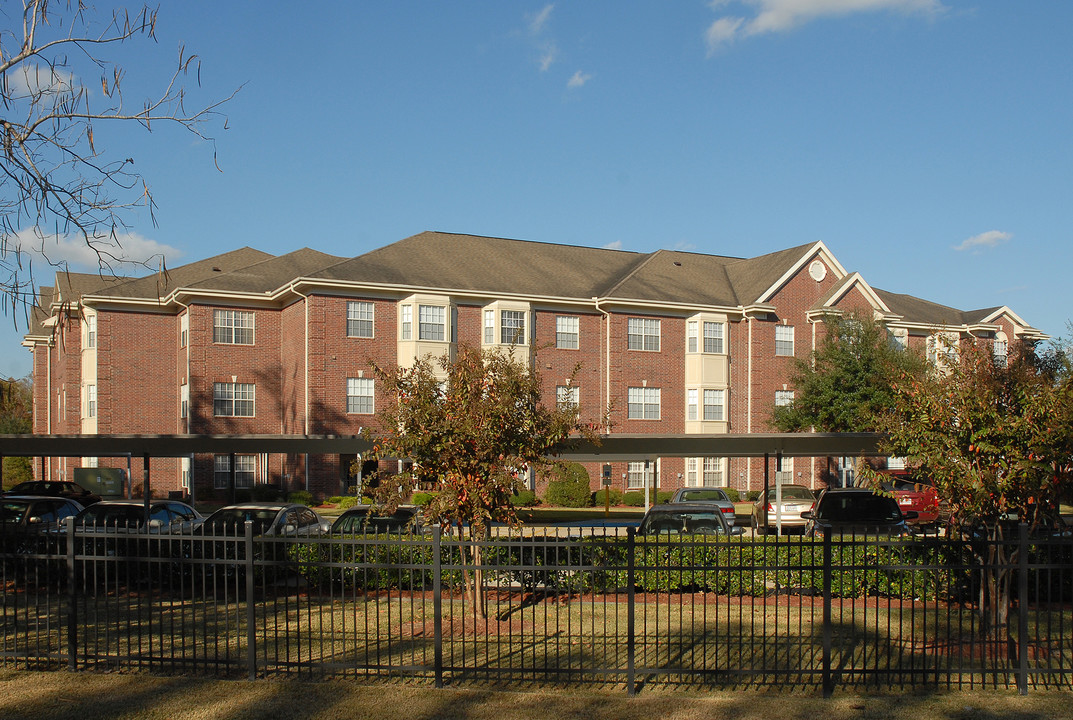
{"type": "Point", "coordinates": [362, 384]}
{"type": "Point", "coordinates": [355, 312]}
{"type": "Point", "coordinates": [230, 323]}
{"type": "Point", "coordinates": [233, 398]}
{"type": "Point", "coordinates": [640, 332]}
{"type": "Point", "coordinates": [780, 343]}
{"type": "Point", "coordinates": [566, 327]}
{"type": "Point", "coordinates": [646, 398]}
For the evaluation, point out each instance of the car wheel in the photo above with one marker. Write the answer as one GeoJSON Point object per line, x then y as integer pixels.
{"type": "Point", "coordinates": [757, 528]}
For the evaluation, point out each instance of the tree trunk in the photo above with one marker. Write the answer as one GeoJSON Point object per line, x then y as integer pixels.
{"type": "Point", "coordinates": [473, 577]}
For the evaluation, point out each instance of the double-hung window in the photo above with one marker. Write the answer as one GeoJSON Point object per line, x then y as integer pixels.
{"type": "Point", "coordinates": [359, 319]}
{"type": "Point", "coordinates": [232, 327]}
{"type": "Point", "coordinates": [91, 401]}
{"type": "Point", "coordinates": [432, 322]}
{"type": "Point", "coordinates": [784, 398]}
{"type": "Point", "coordinates": [245, 471]}
{"type": "Point", "coordinates": [233, 399]}
{"type": "Point", "coordinates": [784, 340]}
{"type": "Point", "coordinates": [489, 327]}
{"type": "Point", "coordinates": [713, 472]}
{"type": "Point", "coordinates": [714, 404]}
{"type": "Point", "coordinates": [406, 321]}
{"type": "Point", "coordinates": [567, 396]}
{"type": "Point", "coordinates": [692, 404]}
{"type": "Point", "coordinates": [713, 337]}
{"type": "Point", "coordinates": [91, 331]}
{"type": "Point", "coordinates": [567, 332]}
{"type": "Point", "coordinates": [512, 327]}
{"type": "Point", "coordinates": [642, 334]}
{"type": "Point", "coordinates": [643, 403]}
{"type": "Point", "coordinates": [1000, 350]}
{"type": "Point", "coordinates": [359, 396]}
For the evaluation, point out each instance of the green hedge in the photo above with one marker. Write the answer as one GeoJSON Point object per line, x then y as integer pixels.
{"type": "Point", "coordinates": [300, 496]}
{"type": "Point", "coordinates": [600, 497]}
{"type": "Point", "coordinates": [524, 498]}
{"type": "Point", "coordinates": [570, 488]}
{"type": "Point", "coordinates": [636, 498]}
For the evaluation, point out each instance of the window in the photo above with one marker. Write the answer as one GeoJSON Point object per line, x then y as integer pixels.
{"type": "Point", "coordinates": [642, 334]}
{"type": "Point", "coordinates": [184, 400]}
{"type": "Point", "coordinates": [512, 327]}
{"type": "Point", "coordinates": [407, 321]}
{"type": "Point", "coordinates": [691, 404]}
{"type": "Point", "coordinates": [691, 472]}
{"type": "Point", "coordinates": [899, 339]}
{"type": "Point", "coordinates": [185, 473]}
{"type": "Point", "coordinates": [692, 331]}
{"type": "Point", "coordinates": [489, 327]}
{"type": "Point", "coordinates": [713, 404]}
{"type": "Point", "coordinates": [942, 348]}
{"type": "Point", "coordinates": [359, 396]}
{"type": "Point", "coordinates": [567, 396]}
{"type": "Point", "coordinates": [1000, 350]}
{"type": "Point", "coordinates": [184, 330]}
{"type": "Point", "coordinates": [432, 322]}
{"type": "Point", "coordinates": [643, 403]}
{"type": "Point", "coordinates": [784, 398]}
{"type": "Point", "coordinates": [785, 472]}
{"type": "Point", "coordinates": [359, 319]}
{"type": "Point", "coordinates": [784, 340]}
{"type": "Point", "coordinates": [640, 474]}
{"type": "Point", "coordinates": [713, 472]}
{"type": "Point", "coordinates": [713, 337]}
{"type": "Point", "coordinates": [245, 471]}
{"type": "Point", "coordinates": [232, 399]}
{"type": "Point", "coordinates": [567, 332]}
{"type": "Point", "coordinates": [91, 401]}
{"type": "Point", "coordinates": [91, 331]}
{"type": "Point", "coordinates": [233, 327]}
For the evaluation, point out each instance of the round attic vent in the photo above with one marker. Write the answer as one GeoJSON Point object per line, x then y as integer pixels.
{"type": "Point", "coordinates": [817, 270]}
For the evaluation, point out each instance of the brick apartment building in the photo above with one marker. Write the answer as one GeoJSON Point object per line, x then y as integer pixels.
{"type": "Point", "coordinates": [246, 342]}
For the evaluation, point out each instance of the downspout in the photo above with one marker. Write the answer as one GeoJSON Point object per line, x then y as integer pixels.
{"type": "Point", "coordinates": [749, 402]}
{"type": "Point", "coordinates": [305, 379]}
{"type": "Point", "coordinates": [607, 359]}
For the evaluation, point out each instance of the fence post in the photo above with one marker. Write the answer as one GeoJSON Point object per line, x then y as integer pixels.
{"type": "Point", "coordinates": [437, 604]}
{"type": "Point", "coordinates": [251, 615]}
{"type": "Point", "coordinates": [1022, 607]}
{"type": "Point", "coordinates": [828, 682]}
{"type": "Point", "coordinates": [72, 597]}
{"type": "Point", "coordinates": [631, 607]}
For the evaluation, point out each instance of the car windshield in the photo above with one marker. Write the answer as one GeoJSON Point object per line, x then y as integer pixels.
{"type": "Point", "coordinates": [365, 522]}
{"type": "Point", "coordinates": [701, 495]}
{"type": "Point", "coordinates": [681, 523]}
{"type": "Point", "coordinates": [112, 516]}
{"type": "Point", "coordinates": [859, 508]}
{"type": "Point", "coordinates": [13, 512]}
{"type": "Point", "coordinates": [792, 492]}
{"type": "Point", "coordinates": [233, 520]}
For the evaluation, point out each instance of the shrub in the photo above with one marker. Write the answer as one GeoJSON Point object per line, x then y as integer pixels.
{"type": "Point", "coordinates": [752, 495]}
{"type": "Point", "coordinates": [302, 497]}
{"type": "Point", "coordinates": [422, 498]}
{"type": "Point", "coordinates": [348, 502]}
{"type": "Point", "coordinates": [524, 498]}
{"type": "Point", "coordinates": [732, 494]}
{"type": "Point", "coordinates": [600, 499]}
{"type": "Point", "coordinates": [662, 496]}
{"type": "Point", "coordinates": [571, 489]}
{"type": "Point", "coordinates": [634, 498]}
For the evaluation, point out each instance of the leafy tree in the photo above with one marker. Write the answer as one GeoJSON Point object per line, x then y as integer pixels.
{"type": "Point", "coordinates": [470, 424]}
{"type": "Point", "coordinates": [16, 417]}
{"type": "Point", "coordinates": [996, 439]}
{"type": "Point", "coordinates": [57, 87]}
{"type": "Point", "coordinates": [849, 380]}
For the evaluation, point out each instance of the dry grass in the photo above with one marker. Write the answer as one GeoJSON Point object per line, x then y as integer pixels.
{"type": "Point", "coordinates": [28, 695]}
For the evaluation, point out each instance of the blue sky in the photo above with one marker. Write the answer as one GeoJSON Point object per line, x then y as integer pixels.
{"type": "Point", "coordinates": [928, 143]}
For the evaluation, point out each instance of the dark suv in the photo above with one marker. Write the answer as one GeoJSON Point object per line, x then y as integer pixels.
{"type": "Point", "coordinates": [856, 511]}
{"type": "Point", "coordinates": [56, 488]}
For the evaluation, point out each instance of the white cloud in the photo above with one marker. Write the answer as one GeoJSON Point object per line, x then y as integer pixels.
{"type": "Point", "coordinates": [29, 79]}
{"type": "Point", "coordinates": [616, 245]}
{"type": "Point", "coordinates": [782, 15]}
{"type": "Point", "coordinates": [989, 239]}
{"type": "Point", "coordinates": [127, 249]}
{"type": "Point", "coordinates": [537, 21]}
{"type": "Point", "coordinates": [578, 79]}
{"type": "Point", "coordinates": [547, 56]}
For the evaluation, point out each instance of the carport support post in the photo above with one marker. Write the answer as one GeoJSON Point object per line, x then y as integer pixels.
{"type": "Point", "coordinates": [231, 477]}
{"type": "Point", "coordinates": [145, 484]}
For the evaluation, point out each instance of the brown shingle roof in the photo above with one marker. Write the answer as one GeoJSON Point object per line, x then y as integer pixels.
{"type": "Point", "coordinates": [159, 285]}
{"type": "Point", "coordinates": [914, 310]}
{"type": "Point", "coordinates": [269, 275]}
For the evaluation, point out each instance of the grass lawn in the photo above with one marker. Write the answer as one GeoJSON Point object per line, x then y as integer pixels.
{"type": "Point", "coordinates": [26, 695]}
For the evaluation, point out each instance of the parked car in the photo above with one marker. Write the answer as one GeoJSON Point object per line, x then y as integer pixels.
{"type": "Point", "coordinates": [856, 511]}
{"type": "Point", "coordinates": [269, 520]}
{"type": "Point", "coordinates": [165, 516]}
{"type": "Point", "coordinates": [686, 519]}
{"type": "Point", "coordinates": [913, 494]}
{"type": "Point", "coordinates": [360, 520]}
{"type": "Point", "coordinates": [795, 500]}
{"type": "Point", "coordinates": [56, 488]}
{"type": "Point", "coordinates": [716, 496]}
{"type": "Point", "coordinates": [27, 520]}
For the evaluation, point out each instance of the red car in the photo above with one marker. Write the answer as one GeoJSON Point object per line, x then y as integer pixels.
{"type": "Point", "coordinates": [913, 494]}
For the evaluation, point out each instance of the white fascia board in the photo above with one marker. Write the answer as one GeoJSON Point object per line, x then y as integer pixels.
{"type": "Point", "coordinates": [818, 249]}
{"type": "Point", "coordinates": [855, 280]}
{"type": "Point", "coordinates": [1005, 310]}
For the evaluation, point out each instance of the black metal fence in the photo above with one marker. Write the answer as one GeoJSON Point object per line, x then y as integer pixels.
{"type": "Point", "coordinates": [623, 610]}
